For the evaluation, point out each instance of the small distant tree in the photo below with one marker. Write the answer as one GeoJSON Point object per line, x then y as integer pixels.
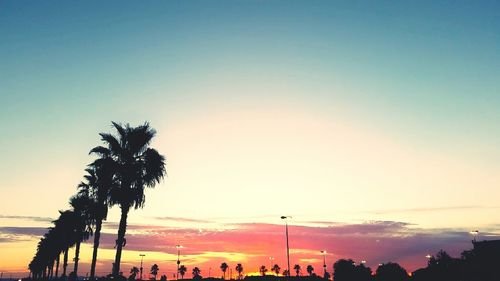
{"type": "Point", "coordinates": [133, 273]}
{"type": "Point", "coordinates": [163, 277]}
{"type": "Point", "coordinates": [310, 270]}
{"type": "Point", "coordinates": [276, 269]}
{"type": "Point", "coordinates": [263, 270]}
{"type": "Point", "coordinates": [223, 267]}
{"type": "Point", "coordinates": [286, 272]}
{"type": "Point", "coordinates": [197, 273]}
{"type": "Point", "coordinates": [182, 271]}
{"type": "Point", "coordinates": [154, 271]}
{"type": "Point", "coordinates": [297, 269]}
{"type": "Point", "coordinates": [239, 269]}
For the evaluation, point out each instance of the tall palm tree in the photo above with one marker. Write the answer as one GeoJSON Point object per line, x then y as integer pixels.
{"type": "Point", "coordinates": [239, 269]}
{"type": "Point", "coordinates": [58, 239]}
{"type": "Point", "coordinates": [297, 269]}
{"type": "Point", "coordinates": [276, 269]}
{"type": "Point", "coordinates": [136, 166]}
{"type": "Point", "coordinates": [97, 184]}
{"type": "Point", "coordinates": [182, 271]}
{"type": "Point", "coordinates": [223, 267]}
{"type": "Point", "coordinates": [81, 204]}
{"type": "Point", "coordinates": [65, 226]}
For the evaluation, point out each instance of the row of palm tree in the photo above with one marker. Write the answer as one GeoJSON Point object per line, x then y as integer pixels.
{"type": "Point", "coordinates": [125, 166]}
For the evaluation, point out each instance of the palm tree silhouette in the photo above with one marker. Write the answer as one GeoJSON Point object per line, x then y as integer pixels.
{"type": "Point", "coordinates": [182, 271]}
{"type": "Point", "coordinates": [276, 269]}
{"type": "Point", "coordinates": [263, 270]}
{"type": "Point", "coordinates": [97, 184]}
{"type": "Point", "coordinates": [136, 166]}
{"type": "Point", "coordinates": [65, 225]}
{"type": "Point", "coordinates": [310, 270]}
{"type": "Point", "coordinates": [133, 273]}
{"type": "Point", "coordinates": [196, 273]}
{"type": "Point", "coordinates": [81, 203]}
{"type": "Point", "coordinates": [239, 269]}
{"type": "Point", "coordinates": [297, 269]}
{"type": "Point", "coordinates": [224, 267]}
{"type": "Point", "coordinates": [154, 270]}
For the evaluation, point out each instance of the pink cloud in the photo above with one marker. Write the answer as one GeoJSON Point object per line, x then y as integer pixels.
{"type": "Point", "coordinates": [375, 242]}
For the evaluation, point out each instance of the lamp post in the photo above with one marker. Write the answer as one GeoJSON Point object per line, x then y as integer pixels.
{"type": "Point", "coordinates": [178, 260]}
{"type": "Point", "coordinates": [287, 245]}
{"type": "Point", "coordinates": [142, 257]}
{"type": "Point", "coordinates": [271, 260]}
{"type": "Point", "coordinates": [324, 261]}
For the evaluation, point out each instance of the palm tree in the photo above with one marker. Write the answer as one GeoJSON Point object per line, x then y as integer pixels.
{"type": "Point", "coordinates": [223, 267]}
{"type": "Point", "coordinates": [98, 182]}
{"type": "Point", "coordinates": [297, 269]}
{"type": "Point", "coordinates": [81, 204]}
{"type": "Point", "coordinates": [154, 270]}
{"type": "Point", "coordinates": [239, 269]}
{"type": "Point", "coordinates": [196, 273]}
{"type": "Point", "coordinates": [276, 269]}
{"type": "Point", "coordinates": [57, 240]}
{"type": "Point", "coordinates": [263, 270]}
{"type": "Point", "coordinates": [310, 270]}
{"type": "Point", "coordinates": [136, 166]}
{"type": "Point", "coordinates": [133, 273]}
{"type": "Point", "coordinates": [182, 271]}
{"type": "Point", "coordinates": [65, 226]}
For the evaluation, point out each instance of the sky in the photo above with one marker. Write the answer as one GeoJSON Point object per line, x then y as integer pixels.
{"type": "Point", "coordinates": [375, 125]}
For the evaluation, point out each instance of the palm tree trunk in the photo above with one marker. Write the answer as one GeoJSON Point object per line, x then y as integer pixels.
{"type": "Point", "coordinates": [121, 238]}
{"type": "Point", "coordinates": [57, 264]}
{"type": "Point", "coordinates": [77, 257]}
{"type": "Point", "coordinates": [97, 236]}
{"type": "Point", "coordinates": [51, 271]}
{"type": "Point", "coordinates": [65, 263]}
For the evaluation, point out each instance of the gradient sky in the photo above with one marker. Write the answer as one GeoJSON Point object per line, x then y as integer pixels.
{"type": "Point", "coordinates": [342, 114]}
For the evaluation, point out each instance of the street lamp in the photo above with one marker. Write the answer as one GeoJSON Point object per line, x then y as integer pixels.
{"type": "Point", "coordinates": [178, 260]}
{"type": "Point", "coordinates": [271, 259]}
{"type": "Point", "coordinates": [142, 257]}
{"type": "Point", "coordinates": [287, 245]}
{"type": "Point", "coordinates": [324, 261]}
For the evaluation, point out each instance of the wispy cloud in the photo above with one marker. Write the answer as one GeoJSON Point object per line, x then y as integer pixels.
{"type": "Point", "coordinates": [179, 219]}
{"type": "Point", "coordinates": [430, 209]}
{"type": "Point", "coordinates": [32, 218]}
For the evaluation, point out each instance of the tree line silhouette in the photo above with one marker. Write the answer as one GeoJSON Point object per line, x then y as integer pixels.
{"type": "Point", "coordinates": [473, 265]}
{"type": "Point", "coordinates": [125, 166]}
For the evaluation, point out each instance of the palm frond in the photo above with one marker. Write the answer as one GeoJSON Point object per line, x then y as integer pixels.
{"type": "Point", "coordinates": [154, 166]}
{"type": "Point", "coordinates": [101, 151]}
